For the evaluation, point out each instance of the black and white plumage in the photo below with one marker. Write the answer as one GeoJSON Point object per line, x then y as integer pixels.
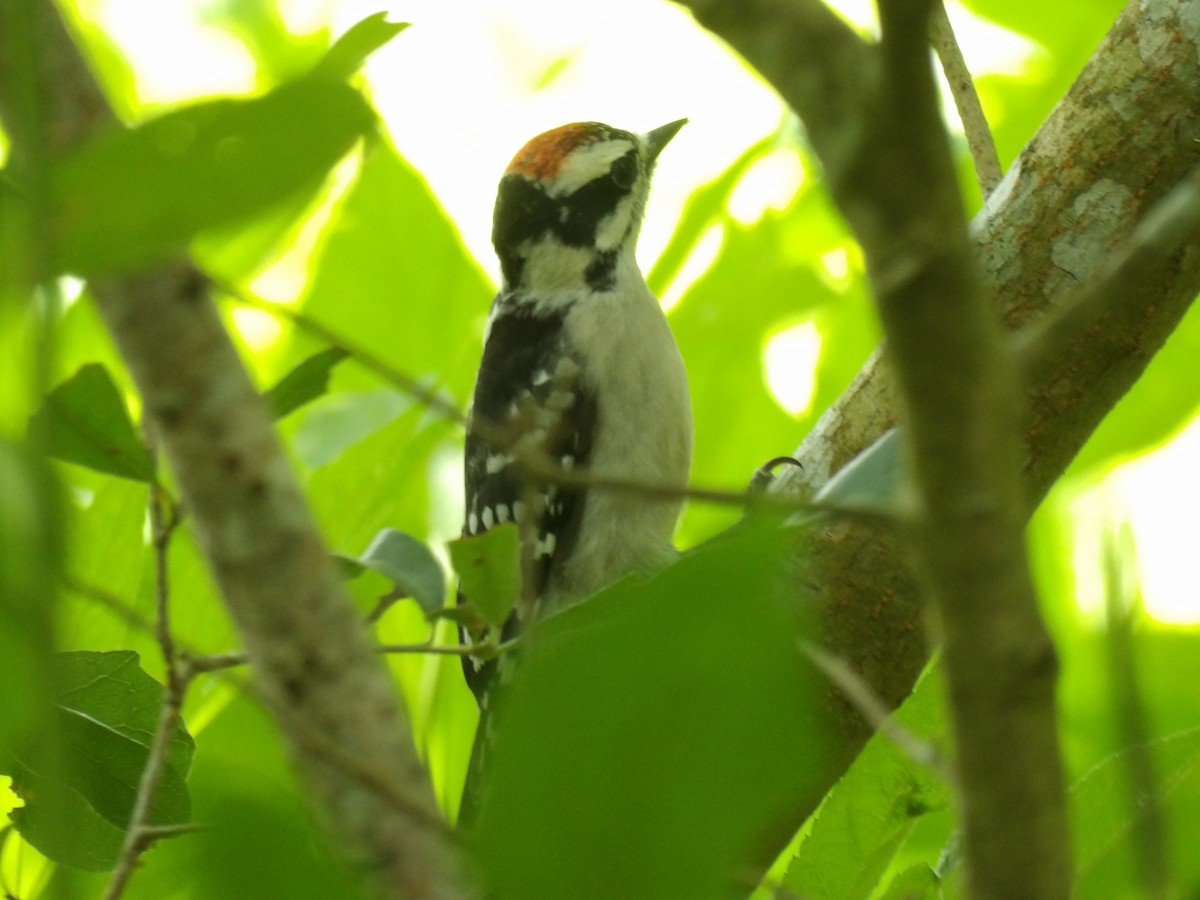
{"type": "Point", "coordinates": [580, 364]}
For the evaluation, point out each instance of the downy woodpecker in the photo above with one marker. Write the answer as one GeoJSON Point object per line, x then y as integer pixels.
{"type": "Point", "coordinates": [579, 365]}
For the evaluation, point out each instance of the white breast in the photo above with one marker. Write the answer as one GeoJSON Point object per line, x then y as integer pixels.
{"type": "Point", "coordinates": [643, 431]}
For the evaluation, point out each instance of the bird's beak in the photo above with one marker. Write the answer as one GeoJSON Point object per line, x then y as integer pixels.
{"type": "Point", "coordinates": [660, 137]}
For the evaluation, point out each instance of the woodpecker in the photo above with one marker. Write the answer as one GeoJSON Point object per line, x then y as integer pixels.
{"type": "Point", "coordinates": [580, 365]}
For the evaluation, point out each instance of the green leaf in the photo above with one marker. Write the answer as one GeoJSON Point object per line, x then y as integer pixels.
{"type": "Point", "coordinates": [307, 381]}
{"type": "Point", "coordinates": [131, 197]}
{"type": "Point", "coordinates": [872, 482]}
{"type": "Point", "coordinates": [873, 809]}
{"type": "Point", "coordinates": [489, 570]}
{"type": "Point", "coordinates": [62, 825]}
{"type": "Point", "coordinates": [84, 421]}
{"type": "Point", "coordinates": [407, 562]}
{"type": "Point", "coordinates": [361, 40]}
{"type": "Point", "coordinates": [261, 842]}
{"type": "Point", "coordinates": [105, 713]}
{"type": "Point", "coordinates": [1103, 815]}
{"type": "Point", "coordinates": [918, 882]}
{"type": "Point", "coordinates": [653, 734]}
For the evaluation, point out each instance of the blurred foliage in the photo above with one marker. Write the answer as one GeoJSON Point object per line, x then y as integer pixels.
{"type": "Point", "coordinates": [685, 700]}
{"type": "Point", "coordinates": [385, 268]}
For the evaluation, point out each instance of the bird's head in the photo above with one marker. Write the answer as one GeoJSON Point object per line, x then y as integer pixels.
{"type": "Point", "coordinates": [570, 206]}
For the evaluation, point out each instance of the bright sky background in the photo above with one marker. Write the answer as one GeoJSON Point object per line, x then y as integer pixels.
{"type": "Point", "coordinates": [460, 127]}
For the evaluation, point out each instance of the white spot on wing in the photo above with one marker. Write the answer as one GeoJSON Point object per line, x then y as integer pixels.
{"type": "Point", "coordinates": [488, 521]}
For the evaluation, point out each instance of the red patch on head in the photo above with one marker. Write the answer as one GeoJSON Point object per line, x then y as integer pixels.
{"type": "Point", "coordinates": [543, 156]}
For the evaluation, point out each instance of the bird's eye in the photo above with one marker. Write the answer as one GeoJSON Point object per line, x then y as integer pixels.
{"type": "Point", "coordinates": [624, 171]}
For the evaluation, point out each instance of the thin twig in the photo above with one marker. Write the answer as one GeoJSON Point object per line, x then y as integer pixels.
{"type": "Point", "coordinates": [535, 464]}
{"type": "Point", "coordinates": [966, 100]}
{"type": "Point", "coordinates": [111, 602]}
{"type": "Point", "coordinates": [431, 398]}
{"type": "Point", "coordinates": [440, 649]}
{"type": "Point", "coordinates": [152, 833]}
{"type": "Point", "coordinates": [164, 519]}
{"type": "Point", "coordinates": [213, 662]}
{"type": "Point", "coordinates": [961, 399]}
{"type": "Point", "coordinates": [136, 838]}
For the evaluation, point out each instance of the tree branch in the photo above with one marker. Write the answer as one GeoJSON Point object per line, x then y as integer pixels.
{"type": "Point", "coordinates": [960, 398]}
{"type": "Point", "coordinates": [1075, 194]}
{"type": "Point", "coordinates": [1099, 336]}
{"type": "Point", "coordinates": [966, 100]}
{"type": "Point", "coordinates": [316, 667]}
{"type": "Point", "coordinates": [137, 839]}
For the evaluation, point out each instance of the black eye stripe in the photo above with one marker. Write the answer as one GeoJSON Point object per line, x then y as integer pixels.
{"type": "Point", "coordinates": [624, 170]}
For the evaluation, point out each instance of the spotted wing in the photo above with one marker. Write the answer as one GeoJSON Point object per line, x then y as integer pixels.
{"type": "Point", "coordinates": [529, 394]}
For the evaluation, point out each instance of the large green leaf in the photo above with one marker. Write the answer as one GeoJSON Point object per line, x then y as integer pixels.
{"type": "Point", "coordinates": [17, 248]}
{"type": "Point", "coordinates": [107, 553]}
{"type": "Point", "coordinates": [131, 197]}
{"type": "Point", "coordinates": [104, 717]}
{"type": "Point", "coordinates": [378, 482]}
{"type": "Point", "coordinates": [654, 735]}
{"type": "Point", "coordinates": [84, 421]}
